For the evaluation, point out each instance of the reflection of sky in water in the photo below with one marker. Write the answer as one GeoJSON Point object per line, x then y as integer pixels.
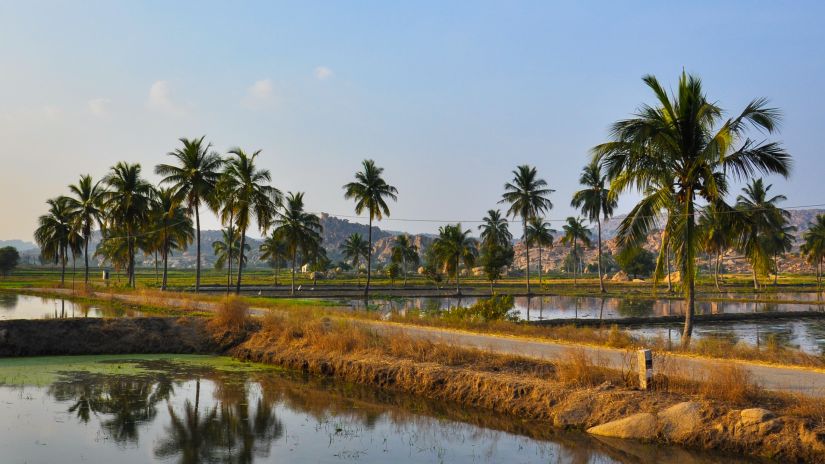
{"type": "Point", "coordinates": [271, 416]}
{"type": "Point", "coordinates": [806, 334]}
{"type": "Point", "coordinates": [17, 306]}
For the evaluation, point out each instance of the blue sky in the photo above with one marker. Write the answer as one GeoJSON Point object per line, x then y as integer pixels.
{"type": "Point", "coordinates": [448, 96]}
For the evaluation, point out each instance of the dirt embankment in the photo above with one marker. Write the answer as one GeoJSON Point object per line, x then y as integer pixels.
{"type": "Point", "coordinates": [533, 390]}
{"type": "Point", "coordinates": [106, 336]}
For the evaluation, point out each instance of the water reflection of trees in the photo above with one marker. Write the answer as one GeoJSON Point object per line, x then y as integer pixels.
{"type": "Point", "coordinates": [629, 307]}
{"type": "Point", "coordinates": [8, 300]}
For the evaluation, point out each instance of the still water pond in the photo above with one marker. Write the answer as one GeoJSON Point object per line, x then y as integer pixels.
{"type": "Point", "coordinates": [18, 306]}
{"type": "Point", "coordinates": [191, 409]}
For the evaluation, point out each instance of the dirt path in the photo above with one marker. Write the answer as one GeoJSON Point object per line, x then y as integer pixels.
{"type": "Point", "coordinates": [776, 378]}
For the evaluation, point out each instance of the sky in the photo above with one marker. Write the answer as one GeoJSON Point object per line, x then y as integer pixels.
{"type": "Point", "coordinates": [448, 97]}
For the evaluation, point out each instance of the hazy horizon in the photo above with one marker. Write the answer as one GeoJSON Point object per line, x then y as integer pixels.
{"type": "Point", "coordinates": [448, 98]}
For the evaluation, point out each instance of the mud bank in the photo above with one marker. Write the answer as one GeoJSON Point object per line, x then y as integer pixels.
{"type": "Point", "coordinates": [607, 411]}
{"type": "Point", "coordinates": [106, 336]}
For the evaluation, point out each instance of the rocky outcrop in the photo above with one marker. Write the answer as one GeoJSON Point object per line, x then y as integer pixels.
{"type": "Point", "coordinates": [641, 426]}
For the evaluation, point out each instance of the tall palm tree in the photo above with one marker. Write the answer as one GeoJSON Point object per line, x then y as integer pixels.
{"type": "Point", "coordinates": [173, 224]}
{"type": "Point", "coordinates": [404, 251]}
{"type": "Point", "coordinates": [127, 202]}
{"type": "Point", "coordinates": [759, 218]}
{"type": "Point", "coordinates": [56, 234]}
{"type": "Point", "coordinates": [539, 234]}
{"type": "Point", "coordinates": [687, 137]}
{"type": "Point", "coordinates": [370, 192]}
{"type": "Point", "coordinates": [85, 205]}
{"type": "Point", "coordinates": [194, 177]}
{"type": "Point", "coordinates": [454, 246]}
{"type": "Point", "coordinates": [813, 246]}
{"type": "Point", "coordinates": [715, 233]}
{"type": "Point", "coordinates": [496, 245]}
{"type": "Point", "coordinates": [228, 246]}
{"type": "Point", "coordinates": [354, 248]}
{"type": "Point", "coordinates": [575, 232]}
{"type": "Point", "coordinates": [780, 241]}
{"type": "Point", "coordinates": [527, 196]}
{"type": "Point", "coordinates": [253, 197]}
{"type": "Point", "coordinates": [299, 229]}
{"type": "Point", "coordinates": [596, 203]}
{"type": "Point", "coordinates": [274, 250]}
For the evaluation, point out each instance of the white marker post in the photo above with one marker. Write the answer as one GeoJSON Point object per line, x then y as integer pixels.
{"type": "Point", "coordinates": [645, 369]}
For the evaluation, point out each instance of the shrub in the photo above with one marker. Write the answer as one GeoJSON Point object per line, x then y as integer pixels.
{"type": "Point", "coordinates": [230, 315]}
{"type": "Point", "coordinates": [495, 308]}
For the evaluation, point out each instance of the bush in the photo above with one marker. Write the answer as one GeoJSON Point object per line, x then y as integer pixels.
{"type": "Point", "coordinates": [496, 308]}
{"type": "Point", "coordinates": [230, 315]}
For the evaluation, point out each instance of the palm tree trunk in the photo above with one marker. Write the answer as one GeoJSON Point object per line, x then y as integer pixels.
{"type": "Point", "coordinates": [294, 258]}
{"type": "Point", "coordinates": [599, 238]}
{"type": "Point", "coordinates": [156, 267]}
{"type": "Point", "coordinates": [369, 259]}
{"type": "Point", "coordinates": [687, 270]}
{"type": "Point", "coordinates": [62, 266]}
{"type": "Point", "coordinates": [755, 278]}
{"type": "Point", "coordinates": [575, 260]}
{"type": "Point", "coordinates": [457, 284]}
{"type": "Point", "coordinates": [240, 261]}
{"type": "Point", "coordinates": [86, 258]}
{"type": "Point", "coordinates": [669, 269]}
{"type": "Point", "coordinates": [527, 248]}
{"type": "Point", "coordinates": [540, 281]}
{"type": "Point", "coordinates": [404, 260]}
{"type": "Point", "coordinates": [716, 272]}
{"type": "Point", "coordinates": [165, 264]}
{"type": "Point", "coordinates": [198, 232]}
{"type": "Point", "coordinates": [775, 269]}
{"type": "Point", "coordinates": [277, 269]}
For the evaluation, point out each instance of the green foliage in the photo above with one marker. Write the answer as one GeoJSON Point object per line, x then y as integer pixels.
{"type": "Point", "coordinates": [393, 271]}
{"type": "Point", "coordinates": [9, 258]}
{"type": "Point", "coordinates": [496, 308]}
{"type": "Point", "coordinates": [494, 258]}
{"type": "Point", "coordinates": [636, 261]}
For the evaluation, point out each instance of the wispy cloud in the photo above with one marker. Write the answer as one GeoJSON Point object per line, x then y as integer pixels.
{"type": "Point", "coordinates": [99, 106]}
{"type": "Point", "coordinates": [323, 73]}
{"type": "Point", "coordinates": [258, 94]}
{"type": "Point", "coordinates": [160, 99]}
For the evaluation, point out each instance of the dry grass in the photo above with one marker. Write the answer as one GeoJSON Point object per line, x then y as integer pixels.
{"type": "Point", "coordinates": [578, 369]}
{"type": "Point", "coordinates": [231, 315]}
{"type": "Point", "coordinates": [729, 383]}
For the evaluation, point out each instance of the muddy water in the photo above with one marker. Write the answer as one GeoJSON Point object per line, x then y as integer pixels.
{"type": "Point", "coordinates": [18, 306]}
{"type": "Point", "coordinates": [191, 409]}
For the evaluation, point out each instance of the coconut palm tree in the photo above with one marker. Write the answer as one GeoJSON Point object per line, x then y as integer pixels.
{"type": "Point", "coordinates": [173, 224]}
{"type": "Point", "coordinates": [715, 227]}
{"type": "Point", "coordinates": [299, 229]}
{"type": "Point", "coordinates": [274, 250]}
{"type": "Point", "coordinates": [454, 246]}
{"type": "Point", "coordinates": [227, 247]}
{"type": "Point", "coordinates": [354, 248]}
{"type": "Point", "coordinates": [127, 203]}
{"type": "Point", "coordinates": [495, 228]}
{"type": "Point", "coordinates": [813, 246]}
{"type": "Point", "coordinates": [686, 137]}
{"type": "Point", "coordinates": [527, 196]}
{"type": "Point", "coordinates": [404, 251]}
{"type": "Point", "coordinates": [85, 205]}
{"type": "Point", "coordinates": [759, 218]}
{"type": "Point", "coordinates": [252, 196]}
{"type": "Point", "coordinates": [539, 234]}
{"type": "Point", "coordinates": [56, 234]}
{"type": "Point", "coordinates": [194, 176]}
{"type": "Point", "coordinates": [575, 232]}
{"type": "Point", "coordinates": [596, 203]}
{"type": "Point", "coordinates": [370, 192]}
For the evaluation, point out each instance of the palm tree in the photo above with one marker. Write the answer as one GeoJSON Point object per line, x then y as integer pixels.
{"type": "Point", "coordinates": [575, 232]}
{"type": "Point", "coordinates": [596, 203]}
{"type": "Point", "coordinates": [56, 234]}
{"type": "Point", "coordinates": [495, 228]}
{"type": "Point", "coordinates": [685, 137]}
{"type": "Point", "coordinates": [813, 246]}
{"type": "Point", "coordinates": [404, 251]}
{"type": "Point", "coordinates": [299, 229]}
{"type": "Point", "coordinates": [715, 233]}
{"type": "Point", "coordinates": [274, 250]}
{"type": "Point", "coordinates": [225, 249]}
{"type": "Point", "coordinates": [174, 226]}
{"type": "Point", "coordinates": [759, 218]}
{"type": "Point", "coordinates": [527, 196]}
{"type": "Point", "coordinates": [370, 193]}
{"type": "Point", "coordinates": [539, 234]}
{"type": "Point", "coordinates": [127, 202]}
{"type": "Point", "coordinates": [194, 177]}
{"type": "Point", "coordinates": [251, 194]}
{"type": "Point", "coordinates": [85, 206]}
{"type": "Point", "coordinates": [354, 248]}
{"type": "Point", "coordinates": [454, 246]}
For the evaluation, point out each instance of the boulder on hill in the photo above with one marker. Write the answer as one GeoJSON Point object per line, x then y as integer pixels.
{"type": "Point", "coordinates": [620, 276]}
